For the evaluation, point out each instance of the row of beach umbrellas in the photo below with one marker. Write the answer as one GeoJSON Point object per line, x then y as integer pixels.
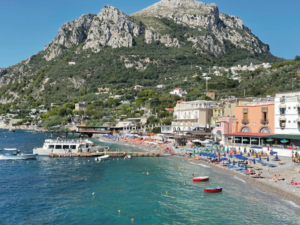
{"type": "Point", "coordinates": [255, 140]}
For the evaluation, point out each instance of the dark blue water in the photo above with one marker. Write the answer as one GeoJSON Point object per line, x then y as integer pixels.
{"type": "Point", "coordinates": [61, 192]}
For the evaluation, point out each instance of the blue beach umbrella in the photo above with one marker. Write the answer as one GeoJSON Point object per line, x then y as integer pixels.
{"type": "Point", "coordinates": [284, 141]}
{"type": "Point", "coordinates": [276, 157]}
{"type": "Point", "coordinates": [233, 162]}
{"type": "Point", "coordinates": [253, 161]}
{"type": "Point", "coordinates": [246, 167]}
{"type": "Point", "coordinates": [239, 164]}
{"type": "Point", "coordinates": [229, 161]}
{"type": "Point", "coordinates": [248, 154]}
{"type": "Point", "coordinates": [227, 150]}
{"type": "Point", "coordinates": [256, 156]}
{"type": "Point", "coordinates": [241, 153]}
{"type": "Point", "coordinates": [259, 158]}
{"type": "Point", "coordinates": [268, 158]}
{"type": "Point", "coordinates": [230, 156]}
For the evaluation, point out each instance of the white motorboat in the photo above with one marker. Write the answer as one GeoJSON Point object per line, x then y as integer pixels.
{"type": "Point", "coordinates": [165, 155]}
{"type": "Point", "coordinates": [102, 157]}
{"type": "Point", "coordinates": [65, 146]}
{"type": "Point", "coordinates": [127, 157]}
{"type": "Point", "coordinates": [14, 154]}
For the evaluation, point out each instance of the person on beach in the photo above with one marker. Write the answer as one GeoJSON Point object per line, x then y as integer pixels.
{"type": "Point", "coordinates": [280, 178]}
{"type": "Point", "coordinates": [274, 178]}
{"type": "Point", "coordinates": [292, 182]}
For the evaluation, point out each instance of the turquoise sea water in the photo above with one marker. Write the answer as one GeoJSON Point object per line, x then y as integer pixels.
{"type": "Point", "coordinates": [62, 192]}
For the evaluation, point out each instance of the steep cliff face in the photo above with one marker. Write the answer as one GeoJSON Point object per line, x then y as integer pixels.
{"type": "Point", "coordinates": [71, 33]}
{"type": "Point", "coordinates": [110, 27]}
{"type": "Point", "coordinates": [204, 17]}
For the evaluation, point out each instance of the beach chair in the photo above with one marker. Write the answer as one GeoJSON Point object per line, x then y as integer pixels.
{"type": "Point", "coordinates": [281, 163]}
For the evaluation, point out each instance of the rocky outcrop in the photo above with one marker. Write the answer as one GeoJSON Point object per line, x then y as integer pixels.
{"type": "Point", "coordinates": [70, 34]}
{"type": "Point", "coordinates": [111, 27]}
{"type": "Point", "coordinates": [205, 17]}
{"type": "Point", "coordinates": [151, 36]}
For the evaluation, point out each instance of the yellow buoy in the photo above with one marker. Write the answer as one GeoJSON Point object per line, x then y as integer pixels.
{"type": "Point", "coordinates": [119, 211]}
{"type": "Point", "coordinates": [166, 192]}
{"type": "Point", "coordinates": [13, 161]}
{"type": "Point", "coordinates": [56, 163]}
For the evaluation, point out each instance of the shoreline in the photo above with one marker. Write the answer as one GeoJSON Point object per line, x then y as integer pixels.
{"type": "Point", "coordinates": [261, 184]}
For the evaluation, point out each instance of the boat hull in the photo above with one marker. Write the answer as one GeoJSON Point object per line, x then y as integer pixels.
{"type": "Point", "coordinates": [213, 190]}
{"type": "Point", "coordinates": [199, 179]}
{"type": "Point", "coordinates": [18, 157]}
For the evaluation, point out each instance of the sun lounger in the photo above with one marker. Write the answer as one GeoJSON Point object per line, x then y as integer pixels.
{"type": "Point", "coordinates": [281, 163]}
{"type": "Point", "coordinates": [272, 165]}
{"type": "Point", "coordinates": [264, 164]}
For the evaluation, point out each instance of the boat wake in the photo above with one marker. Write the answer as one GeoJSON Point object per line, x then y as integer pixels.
{"type": "Point", "coordinates": [235, 177]}
{"type": "Point", "coordinates": [200, 165]}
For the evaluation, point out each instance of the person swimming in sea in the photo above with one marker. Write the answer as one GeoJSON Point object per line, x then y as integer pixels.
{"type": "Point", "coordinates": [184, 183]}
{"type": "Point", "coordinates": [147, 173]}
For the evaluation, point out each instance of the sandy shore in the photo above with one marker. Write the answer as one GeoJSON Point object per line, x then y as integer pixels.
{"type": "Point", "coordinates": [282, 189]}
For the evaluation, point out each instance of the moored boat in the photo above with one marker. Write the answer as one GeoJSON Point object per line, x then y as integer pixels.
{"type": "Point", "coordinates": [213, 189]}
{"type": "Point", "coordinates": [204, 178]}
{"type": "Point", "coordinates": [14, 154]}
{"type": "Point", "coordinates": [165, 155]}
{"type": "Point", "coordinates": [102, 157]}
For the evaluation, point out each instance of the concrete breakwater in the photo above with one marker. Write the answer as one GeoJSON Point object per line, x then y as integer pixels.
{"type": "Point", "coordinates": [111, 154]}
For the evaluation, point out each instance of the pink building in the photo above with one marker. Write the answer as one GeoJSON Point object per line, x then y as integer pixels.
{"type": "Point", "coordinates": [224, 126]}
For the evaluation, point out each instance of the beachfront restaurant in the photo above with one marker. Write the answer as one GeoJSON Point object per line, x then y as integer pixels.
{"type": "Point", "coordinates": [283, 144]}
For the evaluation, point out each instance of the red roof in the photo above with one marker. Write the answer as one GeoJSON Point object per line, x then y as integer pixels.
{"type": "Point", "coordinates": [177, 88]}
{"type": "Point", "coordinates": [180, 101]}
{"type": "Point", "coordinates": [244, 134]}
{"type": "Point", "coordinates": [169, 109]}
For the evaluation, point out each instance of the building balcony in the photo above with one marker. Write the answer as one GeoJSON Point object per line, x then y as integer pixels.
{"type": "Point", "coordinates": [264, 121]}
{"type": "Point", "coordinates": [245, 122]}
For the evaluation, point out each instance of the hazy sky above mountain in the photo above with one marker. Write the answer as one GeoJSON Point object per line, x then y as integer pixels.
{"type": "Point", "coordinates": [27, 26]}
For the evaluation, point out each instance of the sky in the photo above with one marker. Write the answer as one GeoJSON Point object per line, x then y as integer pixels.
{"type": "Point", "coordinates": [28, 25]}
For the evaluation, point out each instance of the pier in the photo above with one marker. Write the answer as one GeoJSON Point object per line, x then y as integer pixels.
{"type": "Point", "coordinates": [111, 154]}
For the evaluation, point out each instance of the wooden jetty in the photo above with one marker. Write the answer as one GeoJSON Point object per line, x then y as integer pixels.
{"type": "Point", "coordinates": [111, 154]}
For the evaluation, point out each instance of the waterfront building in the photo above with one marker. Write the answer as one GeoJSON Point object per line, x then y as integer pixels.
{"type": "Point", "coordinates": [223, 126]}
{"type": "Point", "coordinates": [253, 122]}
{"type": "Point", "coordinates": [166, 129]}
{"type": "Point", "coordinates": [226, 108]}
{"type": "Point", "coordinates": [193, 115]}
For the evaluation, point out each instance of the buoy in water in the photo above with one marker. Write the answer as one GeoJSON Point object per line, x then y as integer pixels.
{"type": "Point", "coordinates": [56, 163]}
{"type": "Point", "coordinates": [13, 161]}
{"type": "Point", "coordinates": [132, 219]}
{"type": "Point", "coordinates": [166, 192]}
{"type": "Point", "coordinates": [119, 211]}
{"type": "Point", "coordinates": [63, 162]}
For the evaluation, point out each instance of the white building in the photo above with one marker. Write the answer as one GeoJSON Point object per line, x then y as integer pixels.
{"type": "Point", "coordinates": [179, 92]}
{"type": "Point", "coordinates": [189, 116]}
{"type": "Point", "coordinates": [160, 86]}
{"type": "Point", "coordinates": [166, 129]}
{"type": "Point", "coordinates": [287, 113]}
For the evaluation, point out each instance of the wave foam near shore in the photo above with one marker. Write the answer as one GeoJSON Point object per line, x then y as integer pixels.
{"type": "Point", "coordinates": [200, 165]}
{"type": "Point", "coordinates": [235, 177]}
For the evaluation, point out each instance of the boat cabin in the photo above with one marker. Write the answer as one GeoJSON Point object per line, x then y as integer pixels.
{"type": "Point", "coordinates": [65, 144]}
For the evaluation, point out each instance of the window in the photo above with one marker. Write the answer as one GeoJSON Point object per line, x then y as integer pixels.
{"type": "Point", "coordinates": [51, 146]}
{"type": "Point", "coordinates": [282, 123]}
{"type": "Point", "coordinates": [57, 146]}
{"type": "Point", "coordinates": [264, 116]}
{"type": "Point", "coordinates": [245, 116]}
{"type": "Point", "coordinates": [289, 107]}
{"type": "Point", "coordinates": [282, 111]}
{"type": "Point", "coordinates": [66, 146]}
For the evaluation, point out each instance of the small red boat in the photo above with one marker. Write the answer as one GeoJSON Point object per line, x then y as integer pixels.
{"type": "Point", "coordinates": [213, 189]}
{"type": "Point", "coordinates": [206, 178]}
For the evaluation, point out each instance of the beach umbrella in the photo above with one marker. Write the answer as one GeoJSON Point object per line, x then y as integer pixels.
{"type": "Point", "coordinates": [230, 156]}
{"type": "Point", "coordinates": [270, 139]}
{"type": "Point", "coordinates": [254, 140]}
{"type": "Point", "coordinates": [268, 158]}
{"type": "Point", "coordinates": [259, 158]}
{"type": "Point", "coordinates": [253, 161]}
{"type": "Point", "coordinates": [237, 139]}
{"type": "Point", "coordinates": [233, 162]}
{"type": "Point", "coordinates": [248, 154]}
{"type": "Point", "coordinates": [239, 164]}
{"type": "Point", "coordinates": [276, 157]}
{"type": "Point", "coordinates": [241, 153]}
{"type": "Point", "coordinates": [223, 148]}
{"type": "Point", "coordinates": [262, 152]}
{"type": "Point", "coordinates": [239, 148]}
{"type": "Point", "coordinates": [229, 161]}
{"type": "Point", "coordinates": [227, 150]}
{"type": "Point", "coordinates": [284, 141]}
{"type": "Point", "coordinates": [246, 167]}
{"type": "Point", "coordinates": [256, 156]}
{"type": "Point", "coordinates": [245, 139]}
